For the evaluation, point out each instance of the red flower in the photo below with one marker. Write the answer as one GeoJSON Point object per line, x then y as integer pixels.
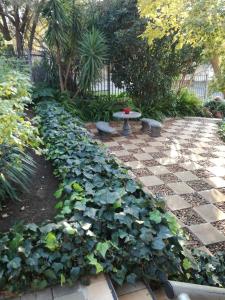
{"type": "Point", "coordinates": [127, 110]}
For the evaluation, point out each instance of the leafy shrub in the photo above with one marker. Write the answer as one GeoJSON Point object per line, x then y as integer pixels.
{"type": "Point", "coordinates": [16, 133]}
{"type": "Point", "coordinates": [204, 269]}
{"type": "Point", "coordinates": [100, 107]}
{"type": "Point", "coordinates": [222, 130]}
{"type": "Point", "coordinates": [42, 92]}
{"type": "Point", "coordinates": [187, 104]}
{"type": "Point", "coordinates": [215, 106]}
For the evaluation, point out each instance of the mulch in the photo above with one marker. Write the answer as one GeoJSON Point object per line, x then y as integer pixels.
{"type": "Point", "coordinates": [195, 199]}
{"type": "Point", "coordinates": [188, 216]}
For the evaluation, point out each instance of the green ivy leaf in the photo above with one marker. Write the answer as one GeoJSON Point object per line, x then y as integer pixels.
{"type": "Point", "coordinates": [51, 241]}
{"type": "Point", "coordinates": [186, 264]}
{"type": "Point", "coordinates": [38, 284]}
{"type": "Point", "coordinates": [50, 274]}
{"type": "Point", "coordinates": [155, 216]}
{"type": "Point", "coordinates": [62, 279]}
{"type": "Point", "coordinates": [58, 193]}
{"type": "Point", "coordinates": [93, 261]}
{"type": "Point", "coordinates": [158, 244]}
{"type": "Point", "coordinates": [102, 248]}
{"type": "Point", "coordinates": [131, 186]}
{"type": "Point", "coordinates": [75, 272]}
{"type": "Point", "coordinates": [106, 197]}
{"type": "Point", "coordinates": [15, 263]}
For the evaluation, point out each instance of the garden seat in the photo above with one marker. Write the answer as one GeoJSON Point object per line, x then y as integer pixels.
{"type": "Point", "coordinates": [151, 126]}
{"type": "Point", "coordinates": [104, 128]}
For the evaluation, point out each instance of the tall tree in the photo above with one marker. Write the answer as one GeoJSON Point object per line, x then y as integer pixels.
{"type": "Point", "coordinates": [18, 22]}
{"type": "Point", "coordinates": [199, 22]}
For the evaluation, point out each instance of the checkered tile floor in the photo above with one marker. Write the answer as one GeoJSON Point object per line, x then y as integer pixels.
{"type": "Point", "coordinates": [186, 166]}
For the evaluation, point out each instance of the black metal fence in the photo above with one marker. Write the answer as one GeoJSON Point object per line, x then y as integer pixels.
{"type": "Point", "coordinates": [104, 85]}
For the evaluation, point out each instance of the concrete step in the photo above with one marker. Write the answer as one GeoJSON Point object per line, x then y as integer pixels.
{"type": "Point", "coordinates": [138, 291]}
{"type": "Point", "coordinates": [99, 289]}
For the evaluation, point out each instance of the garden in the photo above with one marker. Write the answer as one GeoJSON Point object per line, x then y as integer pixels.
{"type": "Point", "coordinates": [76, 202]}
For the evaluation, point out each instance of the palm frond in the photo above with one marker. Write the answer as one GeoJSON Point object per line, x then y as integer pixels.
{"type": "Point", "coordinates": [93, 52]}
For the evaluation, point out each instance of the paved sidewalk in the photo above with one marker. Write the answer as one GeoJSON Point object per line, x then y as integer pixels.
{"type": "Point", "coordinates": [97, 290]}
{"type": "Point", "coordinates": [186, 166]}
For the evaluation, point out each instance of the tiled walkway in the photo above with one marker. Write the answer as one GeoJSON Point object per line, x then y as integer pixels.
{"type": "Point", "coordinates": [186, 166]}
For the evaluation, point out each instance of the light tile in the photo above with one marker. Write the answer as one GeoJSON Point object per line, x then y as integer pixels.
{"type": "Point", "coordinates": [207, 234]}
{"type": "Point", "coordinates": [99, 290]}
{"type": "Point", "coordinates": [167, 161]}
{"type": "Point", "coordinates": [173, 153]}
{"type": "Point", "coordinates": [111, 144]}
{"type": "Point", "coordinates": [137, 141]}
{"type": "Point", "coordinates": [186, 176]}
{"type": "Point", "coordinates": [130, 146]}
{"type": "Point", "coordinates": [220, 148]}
{"type": "Point", "coordinates": [150, 149]}
{"type": "Point", "coordinates": [219, 154]}
{"type": "Point", "coordinates": [120, 153]}
{"type": "Point", "coordinates": [127, 288]}
{"type": "Point", "coordinates": [155, 144]}
{"type": "Point", "coordinates": [191, 166]}
{"type": "Point", "coordinates": [139, 295]}
{"type": "Point", "coordinates": [134, 164]}
{"type": "Point", "coordinates": [217, 171]}
{"type": "Point", "coordinates": [176, 202]}
{"type": "Point", "coordinates": [159, 170]}
{"type": "Point", "coordinates": [151, 180]}
{"type": "Point", "coordinates": [216, 182]}
{"type": "Point", "coordinates": [218, 161]}
{"type": "Point", "coordinates": [210, 213]}
{"type": "Point", "coordinates": [197, 150]}
{"type": "Point", "coordinates": [143, 156]}
{"type": "Point", "coordinates": [180, 188]}
{"type": "Point", "coordinates": [213, 196]}
{"type": "Point", "coordinates": [195, 157]}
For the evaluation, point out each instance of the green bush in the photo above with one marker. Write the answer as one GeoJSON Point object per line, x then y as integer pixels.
{"type": "Point", "coordinates": [187, 104]}
{"type": "Point", "coordinates": [97, 108]}
{"type": "Point", "coordinates": [215, 106]}
{"type": "Point", "coordinates": [16, 132]}
{"type": "Point", "coordinates": [222, 130]}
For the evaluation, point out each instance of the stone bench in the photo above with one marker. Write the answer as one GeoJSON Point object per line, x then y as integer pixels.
{"type": "Point", "coordinates": [151, 126]}
{"type": "Point", "coordinates": [104, 128]}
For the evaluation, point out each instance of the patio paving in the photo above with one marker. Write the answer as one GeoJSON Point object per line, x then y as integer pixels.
{"type": "Point", "coordinates": [186, 166]}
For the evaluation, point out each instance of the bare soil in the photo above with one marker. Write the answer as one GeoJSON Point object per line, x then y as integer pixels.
{"type": "Point", "coordinates": [38, 204]}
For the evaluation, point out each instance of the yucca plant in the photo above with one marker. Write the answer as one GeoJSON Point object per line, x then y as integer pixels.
{"type": "Point", "coordinates": [93, 52]}
{"type": "Point", "coordinates": [16, 168]}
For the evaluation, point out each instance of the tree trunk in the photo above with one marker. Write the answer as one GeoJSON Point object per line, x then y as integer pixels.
{"type": "Point", "coordinates": [19, 43]}
{"type": "Point", "coordinates": [58, 59]}
{"type": "Point", "coordinates": [215, 62]}
{"type": "Point", "coordinates": [67, 73]}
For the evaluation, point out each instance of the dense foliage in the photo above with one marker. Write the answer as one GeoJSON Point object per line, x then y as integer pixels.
{"type": "Point", "coordinates": [16, 132]}
{"type": "Point", "coordinates": [195, 23]}
{"type": "Point", "coordinates": [222, 130]}
{"type": "Point", "coordinates": [76, 53]}
{"type": "Point", "coordinates": [216, 108]}
{"type": "Point", "coordinates": [98, 107]}
{"type": "Point", "coordinates": [105, 221]}
{"type": "Point", "coordinates": [147, 72]}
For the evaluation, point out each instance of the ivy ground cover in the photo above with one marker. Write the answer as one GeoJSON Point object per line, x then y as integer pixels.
{"type": "Point", "coordinates": [105, 221]}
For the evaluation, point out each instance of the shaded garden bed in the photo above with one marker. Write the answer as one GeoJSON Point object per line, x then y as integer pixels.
{"type": "Point", "coordinates": [38, 204]}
